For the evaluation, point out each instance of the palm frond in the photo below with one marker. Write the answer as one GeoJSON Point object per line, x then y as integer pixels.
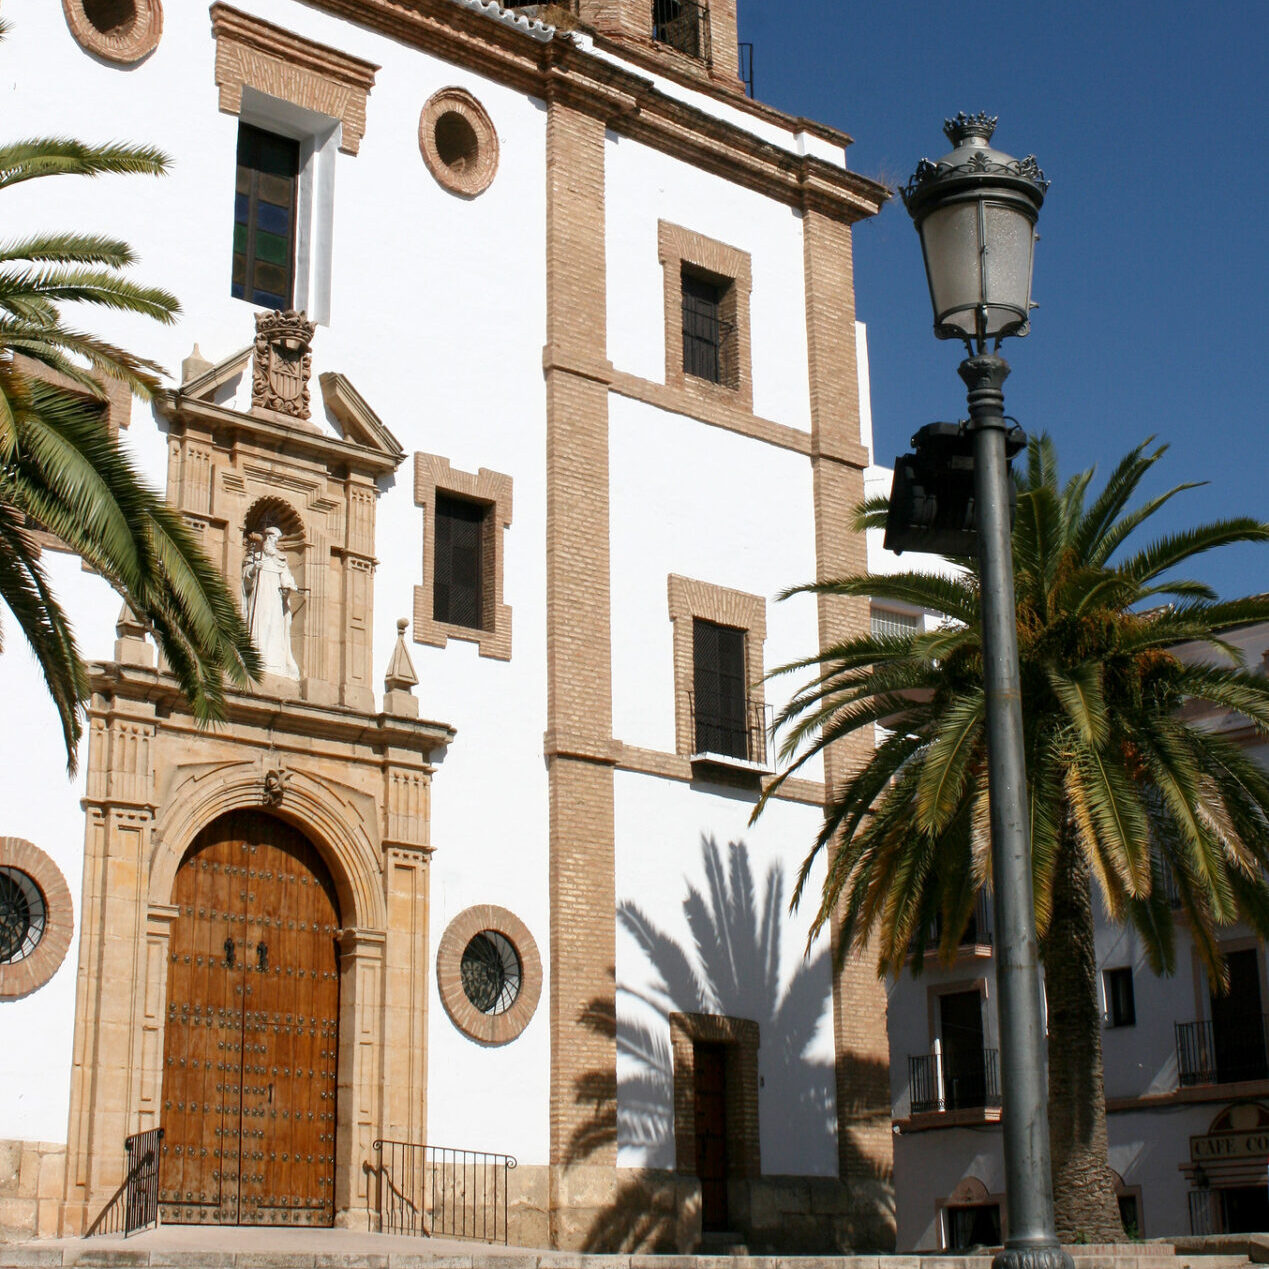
{"type": "Point", "coordinates": [62, 156]}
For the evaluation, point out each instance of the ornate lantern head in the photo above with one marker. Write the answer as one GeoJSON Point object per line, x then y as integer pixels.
{"type": "Point", "coordinates": [976, 210]}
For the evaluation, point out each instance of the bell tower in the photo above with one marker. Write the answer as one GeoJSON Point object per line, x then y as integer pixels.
{"type": "Point", "coordinates": [694, 36]}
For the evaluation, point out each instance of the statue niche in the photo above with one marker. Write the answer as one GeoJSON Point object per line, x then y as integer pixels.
{"type": "Point", "coordinates": [271, 596]}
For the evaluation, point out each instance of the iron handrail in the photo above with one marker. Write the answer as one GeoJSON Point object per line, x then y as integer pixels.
{"type": "Point", "coordinates": [441, 1192]}
{"type": "Point", "coordinates": [134, 1206]}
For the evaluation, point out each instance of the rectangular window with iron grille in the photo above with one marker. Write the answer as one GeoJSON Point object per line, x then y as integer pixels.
{"type": "Point", "coordinates": [707, 334]}
{"type": "Point", "coordinates": [265, 202]}
{"type": "Point", "coordinates": [458, 575]}
{"type": "Point", "coordinates": [718, 680]}
{"type": "Point", "coordinates": [683, 25]}
{"type": "Point", "coordinates": [887, 621]}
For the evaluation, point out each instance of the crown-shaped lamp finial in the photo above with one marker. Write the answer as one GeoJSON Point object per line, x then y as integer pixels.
{"type": "Point", "coordinates": [979, 127]}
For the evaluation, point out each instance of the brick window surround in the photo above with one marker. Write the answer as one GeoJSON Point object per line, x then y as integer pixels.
{"type": "Point", "coordinates": [740, 1037]}
{"type": "Point", "coordinates": [732, 269]}
{"type": "Point", "coordinates": [458, 142]}
{"type": "Point", "coordinates": [122, 34]}
{"type": "Point", "coordinates": [252, 53]}
{"type": "Point", "coordinates": [490, 1029]}
{"type": "Point", "coordinates": [433, 473]}
{"type": "Point", "coordinates": [21, 978]}
{"type": "Point", "coordinates": [690, 600]}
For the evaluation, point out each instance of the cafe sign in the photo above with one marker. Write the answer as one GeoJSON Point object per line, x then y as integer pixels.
{"type": "Point", "coordinates": [1230, 1145]}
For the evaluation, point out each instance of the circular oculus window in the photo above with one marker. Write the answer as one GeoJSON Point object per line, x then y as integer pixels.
{"type": "Point", "coordinates": [489, 974]}
{"type": "Point", "coordinates": [22, 916]}
{"type": "Point", "coordinates": [36, 920]}
{"type": "Point", "coordinates": [458, 142]}
{"type": "Point", "coordinates": [120, 31]}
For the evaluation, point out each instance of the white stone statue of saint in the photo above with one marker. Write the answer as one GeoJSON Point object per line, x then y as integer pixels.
{"type": "Point", "coordinates": [267, 586]}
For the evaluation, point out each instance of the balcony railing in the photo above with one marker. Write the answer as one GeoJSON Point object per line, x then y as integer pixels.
{"type": "Point", "coordinates": [937, 1082]}
{"type": "Point", "coordinates": [977, 932]}
{"type": "Point", "coordinates": [684, 25]}
{"type": "Point", "coordinates": [1211, 1053]}
{"type": "Point", "coordinates": [740, 734]}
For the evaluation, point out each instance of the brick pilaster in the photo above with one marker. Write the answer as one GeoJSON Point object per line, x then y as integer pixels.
{"type": "Point", "coordinates": [579, 747]}
{"type": "Point", "coordinates": [865, 1151]}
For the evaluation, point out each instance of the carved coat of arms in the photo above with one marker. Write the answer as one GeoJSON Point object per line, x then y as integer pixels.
{"type": "Point", "coordinates": [283, 362]}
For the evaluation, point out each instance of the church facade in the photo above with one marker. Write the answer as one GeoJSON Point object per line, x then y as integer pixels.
{"type": "Point", "coordinates": [517, 374]}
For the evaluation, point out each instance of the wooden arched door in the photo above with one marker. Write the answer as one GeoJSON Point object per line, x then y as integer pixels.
{"type": "Point", "coordinates": [252, 1033]}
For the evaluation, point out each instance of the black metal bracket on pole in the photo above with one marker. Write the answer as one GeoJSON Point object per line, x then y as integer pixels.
{"type": "Point", "coordinates": [933, 505]}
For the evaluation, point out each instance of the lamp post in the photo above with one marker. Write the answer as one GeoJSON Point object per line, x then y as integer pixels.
{"type": "Point", "coordinates": [975, 210]}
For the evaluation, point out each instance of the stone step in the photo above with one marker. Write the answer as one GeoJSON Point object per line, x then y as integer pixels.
{"type": "Point", "coordinates": [115, 1254]}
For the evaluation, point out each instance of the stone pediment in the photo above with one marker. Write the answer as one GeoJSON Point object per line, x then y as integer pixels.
{"type": "Point", "coordinates": [357, 420]}
{"type": "Point", "coordinates": [205, 379]}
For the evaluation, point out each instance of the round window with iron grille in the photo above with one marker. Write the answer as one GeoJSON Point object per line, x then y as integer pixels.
{"type": "Point", "coordinates": [22, 916]}
{"type": "Point", "coordinates": [491, 972]}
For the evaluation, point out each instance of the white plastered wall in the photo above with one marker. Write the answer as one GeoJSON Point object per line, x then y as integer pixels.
{"type": "Point", "coordinates": [644, 187]}
{"type": "Point", "coordinates": [437, 317]}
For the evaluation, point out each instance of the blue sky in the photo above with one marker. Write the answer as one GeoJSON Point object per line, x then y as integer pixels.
{"type": "Point", "coordinates": [1151, 122]}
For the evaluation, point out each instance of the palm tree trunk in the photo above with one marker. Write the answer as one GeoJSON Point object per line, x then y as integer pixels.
{"type": "Point", "coordinates": [1083, 1187]}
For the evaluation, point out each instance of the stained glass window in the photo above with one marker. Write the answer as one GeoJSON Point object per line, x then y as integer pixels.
{"type": "Point", "coordinates": [265, 198]}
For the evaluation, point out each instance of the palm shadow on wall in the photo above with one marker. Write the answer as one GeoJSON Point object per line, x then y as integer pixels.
{"type": "Point", "coordinates": [732, 967]}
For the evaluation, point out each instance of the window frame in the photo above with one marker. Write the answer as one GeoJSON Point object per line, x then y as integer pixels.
{"type": "Point", "coordinates": [681, 249]}
{"type": "Point", "coordinates": [434, 478]}
{"type": "Point", "coordinates": [450, 502]}
{"type": "Point", "coordinates": [690, 600]}
{"type": "Point", "coordinates": [253, 201]}
{"type": "Point", "coordinates": [729, 645]}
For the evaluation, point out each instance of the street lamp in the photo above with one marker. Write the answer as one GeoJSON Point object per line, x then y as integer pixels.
{"type": "Point", "coordinates": [976, 210]}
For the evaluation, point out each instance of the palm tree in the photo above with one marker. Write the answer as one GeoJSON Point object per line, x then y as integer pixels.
{"type": "Point", "coordinates": [62, 471]}
{"type": "Point", "coordinates": [1124, 793]}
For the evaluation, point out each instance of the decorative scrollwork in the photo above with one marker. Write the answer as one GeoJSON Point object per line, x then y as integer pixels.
{"type": "Point", "coordinates": [976, 163]}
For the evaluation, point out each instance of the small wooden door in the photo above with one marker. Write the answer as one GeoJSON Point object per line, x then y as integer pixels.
{"type": "Point", "coordinates": [711, 1133]}
{"type": "Point", "coordinates": [252, 1034]}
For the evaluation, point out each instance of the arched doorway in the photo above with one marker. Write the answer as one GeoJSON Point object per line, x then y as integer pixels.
{"type": "Point", "coordinates": [252, 1032]}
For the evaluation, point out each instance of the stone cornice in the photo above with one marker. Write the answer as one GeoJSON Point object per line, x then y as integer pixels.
{"type": "Point", "coordinates": [283, 716]}
{"type": "Point", "coordinates": [298, 440]}
{"type": "Point", "coordinates": [629, 103]}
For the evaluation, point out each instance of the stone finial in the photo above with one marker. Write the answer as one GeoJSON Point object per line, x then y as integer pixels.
{"type": "Point", "coordinates": [283, 363]}
{"type": "Point", "coordinates": [194, 365]}
{"type": "Point", "coordinates": [400, 679]}
{"type": "Point", "coordinates": [131, 645]}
